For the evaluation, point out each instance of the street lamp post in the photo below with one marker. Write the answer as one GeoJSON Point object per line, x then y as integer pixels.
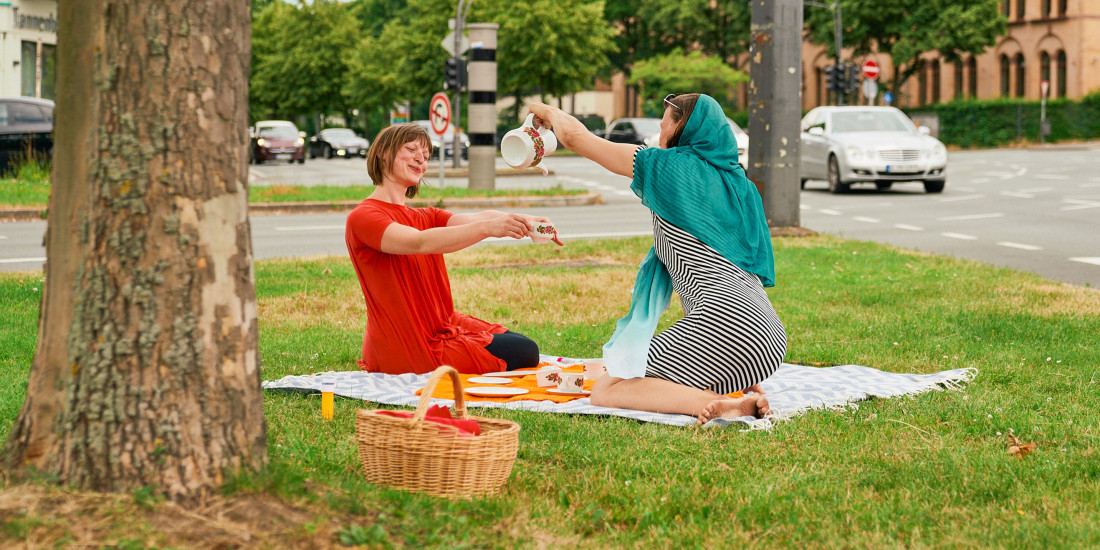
{"type": "Point", "coordinates": [460, 21]}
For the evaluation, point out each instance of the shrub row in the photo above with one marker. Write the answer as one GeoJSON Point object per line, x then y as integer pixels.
{"type": "Point", "coordinates": [997, 122]}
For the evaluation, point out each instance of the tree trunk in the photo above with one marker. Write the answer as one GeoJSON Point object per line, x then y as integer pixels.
{"type": "Point", "coordinates": [146, 371]}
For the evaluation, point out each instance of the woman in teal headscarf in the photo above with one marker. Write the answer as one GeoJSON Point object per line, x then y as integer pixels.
{"type": "Point", "coordinates": [712, 246]}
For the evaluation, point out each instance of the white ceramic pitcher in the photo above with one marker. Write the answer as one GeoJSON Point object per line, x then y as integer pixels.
{"type": "Point", "coordinates": [526, 146]}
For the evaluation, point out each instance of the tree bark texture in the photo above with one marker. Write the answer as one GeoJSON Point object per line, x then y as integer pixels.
{"type": "Point", "coordinates": [146, 371]}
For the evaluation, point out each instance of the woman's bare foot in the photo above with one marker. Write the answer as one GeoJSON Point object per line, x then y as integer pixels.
{"type": "Point", "coordinates": [755, 388]}
{"type": "Point", "coordinates": [726, 407]}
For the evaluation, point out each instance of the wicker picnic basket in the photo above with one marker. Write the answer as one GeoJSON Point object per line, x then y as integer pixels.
{"type": "Point", "coordinates": [415, 455]}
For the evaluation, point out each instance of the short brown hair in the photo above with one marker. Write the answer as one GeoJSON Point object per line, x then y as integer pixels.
{"type": "Point", "coordinates": [384, 149]}
{"type": "Point", "coordinates": [686, 104]}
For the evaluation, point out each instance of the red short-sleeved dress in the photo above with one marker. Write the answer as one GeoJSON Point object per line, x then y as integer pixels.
{"type": "Point", "coordinates": [411, 322]}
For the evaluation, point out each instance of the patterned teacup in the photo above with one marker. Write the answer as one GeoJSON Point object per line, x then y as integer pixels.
{"type": "Point", "coordinates": [548, 376]}
{"type": "Point", "coordinates": [571, 382]}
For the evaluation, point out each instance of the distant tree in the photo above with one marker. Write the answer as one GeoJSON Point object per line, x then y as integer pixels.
{"type": "Point", "coordinates": [299, 59]}
{"type": "Point", "coordinates": [648, 28]}
{"type": "Point", "coordinates": [906, 29]}
{"type": "Point", "coordinates": [537, 54]}
{"type": "Point", "coordinates": [146, 372]}
{"type": "Point", "coordinates": [677, 72]}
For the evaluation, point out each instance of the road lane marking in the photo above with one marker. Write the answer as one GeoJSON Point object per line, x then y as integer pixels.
{"type": "Point", "coordinates": [1020, 246]}
{"type": "Point", "coordinates": [624, 193]}
{"type": "Point", "coordinates": [863, 219]}
{"type": "Point", "coordinates": [960, 236]}
{"type": "Point", "coordinates": [908, 227]}
{"type": "Point", "coordinates": [2, 237]}
{"type": "Point", "coordinates": [21, 260]}
{"type": "Point", "coordinates": [830, 212]}
{"type": "Point", "coordinates": [1089, 185]}
{"type": "Point", "coordinates": [804, 207]}
{"type": "Point", "coordinates": [310, 228]}
{"type": "Point", "coordinates": [980, 180]}
{"type": "Point", "coordinates": [971, 217]}
{"type": "Point", "coordinates": [1093, 261]}
{"type": "Point", "coordinates": [1051, 177]}
{"type": "Point", "coordinates": [1081, 204]}
{"type": "Point", "coordinates": [961, 198]}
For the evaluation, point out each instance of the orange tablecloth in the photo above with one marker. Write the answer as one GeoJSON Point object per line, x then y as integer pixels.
{"type": "Point", "coordinates": [445, 390]}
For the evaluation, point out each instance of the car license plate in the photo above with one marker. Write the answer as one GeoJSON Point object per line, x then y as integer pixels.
{"type": "Point", "coordinates": [903, 168]}
{"type": "Point", "coordinates": [282, 156]}
{"type": "Point", "coordinates": [353, 150]}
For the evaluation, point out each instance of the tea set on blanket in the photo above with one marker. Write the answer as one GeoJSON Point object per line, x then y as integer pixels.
{"type": "Point", "coordinates": [553, 378]}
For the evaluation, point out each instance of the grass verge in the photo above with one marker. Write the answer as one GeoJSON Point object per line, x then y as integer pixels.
{"type": "Point", "coordinates": [30, 187]}
{"type": "Point", "coordinates": [915, 472]}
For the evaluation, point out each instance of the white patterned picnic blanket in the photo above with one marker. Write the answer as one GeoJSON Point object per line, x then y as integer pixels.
{"type": "Point", "coordinates": [791, 390]}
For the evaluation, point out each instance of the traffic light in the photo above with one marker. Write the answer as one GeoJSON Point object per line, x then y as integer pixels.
{"type": "Point", "coordinates": [840, 73]}
{"type": "Point", "coordinates": [830, 78]}
{"type": "Point", "coordinates": [852, 80]}
{"type": "Point", "coordinates": [454, 74]}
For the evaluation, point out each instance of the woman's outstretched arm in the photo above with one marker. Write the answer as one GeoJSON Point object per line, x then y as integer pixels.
{"type": "Point", "coordinates": [571, 134]}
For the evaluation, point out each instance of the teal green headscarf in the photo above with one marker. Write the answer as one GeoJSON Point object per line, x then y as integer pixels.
{"type": "Point", "coordinates": [699, 187]}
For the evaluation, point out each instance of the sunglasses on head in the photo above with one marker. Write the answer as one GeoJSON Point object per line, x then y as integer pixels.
{"type": "Point", "coordinates": [668, 101]}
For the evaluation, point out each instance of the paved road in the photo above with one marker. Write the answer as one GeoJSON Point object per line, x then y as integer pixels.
{"type": "Point", "coordinates": [1030, 210]}
{"type": "Point", "coordinates": [1035, 211]}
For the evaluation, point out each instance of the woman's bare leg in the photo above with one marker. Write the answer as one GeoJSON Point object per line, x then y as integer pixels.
{"type": "Point", "coordinates": [663, 396]}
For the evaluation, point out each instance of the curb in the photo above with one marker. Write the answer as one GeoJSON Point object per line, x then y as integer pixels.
{"type": "Point", "coordinates": [267, 208]}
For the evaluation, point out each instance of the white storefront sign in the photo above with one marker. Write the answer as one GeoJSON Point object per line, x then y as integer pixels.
{"type": "Point", "coordinates": [28, 48]}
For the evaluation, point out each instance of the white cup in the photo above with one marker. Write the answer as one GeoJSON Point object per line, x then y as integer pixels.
{"type": "Point", "coordinates": [548, 376]}
{"type": "Point", "coordinates": [526, 146]}
{"type": "Point", "coordinates": [571, 382]}
{"type": "Point", "coordinates": [543, 232]}
{"type": "Point", "coordinates": [594, 368]}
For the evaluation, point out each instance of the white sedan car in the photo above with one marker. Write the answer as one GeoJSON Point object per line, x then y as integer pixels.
{"type": "Point", "coordinates": [739, 136]}
{"type": "Point", "coordinates": [879, 145]}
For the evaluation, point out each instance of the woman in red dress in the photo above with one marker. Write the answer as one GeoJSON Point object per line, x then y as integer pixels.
{"type": "Point", "coordinates": [397, 252]}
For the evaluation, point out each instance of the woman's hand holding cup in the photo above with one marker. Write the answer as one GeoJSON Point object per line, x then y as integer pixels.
{"type": "Point", "coordinates": [515, 226]}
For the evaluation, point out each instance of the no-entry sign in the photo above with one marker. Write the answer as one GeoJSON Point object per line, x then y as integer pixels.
{"type": "Point", "coordinates": [870, 69]}
{"type": "Point", "coordinates": [440, 113]}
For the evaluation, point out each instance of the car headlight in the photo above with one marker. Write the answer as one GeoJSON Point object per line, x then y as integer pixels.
{"type": "Point", "coordinates": [301, 141]}
{"type": "Point", "coordinates": [855, 153]}
{"type": "Point", "coordinates": [939, 152]}
{"type": "Point", "coordinates": [260, 142]}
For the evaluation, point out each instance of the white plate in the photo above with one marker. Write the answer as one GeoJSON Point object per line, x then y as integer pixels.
{"type": "Point", "coordinates": [556, 391]}
{"type": "Point", "coordinates": [510, 373]}
{"type": "Point", "coordinates": [489, 380]}
{"type": "Point", "coordinates": [494, 391]}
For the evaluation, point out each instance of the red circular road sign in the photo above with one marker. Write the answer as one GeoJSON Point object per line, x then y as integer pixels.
{"type": "Point", "coordinates": [870, 69]}
{"type": "Point", "coordinates": [439, 112]}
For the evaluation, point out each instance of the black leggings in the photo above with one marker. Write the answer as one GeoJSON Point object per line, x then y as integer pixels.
{"type": "Point", "coordinates": [517, 350]}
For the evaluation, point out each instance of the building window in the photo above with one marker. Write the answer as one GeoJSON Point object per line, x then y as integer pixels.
{"type": "Point", "coordinates": [1006, 72]}
{"type": "Point", "coordinates": [922, 84]}
{"type": "Point", "coordinates": [936, 81]}
{"type": "Point", "coordinates": [959, 79]}
{"type": "Point", "coordinates": [38, 69]}
{"type": "Point", "coordinates": [1004, 8]}
{"type": "Point", "coordinates": [1062, 7]}
{"type": "Point", "coordinates": [1061, 61]}
{"type": "Point", "coordinates": [1021, 9]}
{"type": "Point", "coordinates": [972, 68]}
{"type": "Point", "coordinates": [1046, 8]}
{"type": "Point", "coordinates": [1044, 68]}
{"type": "Point", "coordinates": [1021, 81]}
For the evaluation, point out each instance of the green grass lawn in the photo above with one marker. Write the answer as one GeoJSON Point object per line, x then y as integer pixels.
{"type": "Point", "coordinates": [926, 471]}
{"type": "Point", "coordinates": [31, 188]}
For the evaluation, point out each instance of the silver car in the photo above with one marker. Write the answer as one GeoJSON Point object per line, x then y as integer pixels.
{"type": "Point", "coordinates": [879, 145]}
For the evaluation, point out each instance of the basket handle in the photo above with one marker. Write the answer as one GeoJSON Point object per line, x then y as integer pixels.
{"type": "Point", "coordinates": [429, 387]}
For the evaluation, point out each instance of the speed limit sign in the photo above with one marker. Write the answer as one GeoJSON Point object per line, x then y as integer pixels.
{"type": "Point", "coordinates": [440, 113]}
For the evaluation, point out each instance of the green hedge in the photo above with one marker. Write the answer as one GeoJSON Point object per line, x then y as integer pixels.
{"type": "Point", "coordinates": [993, 123]}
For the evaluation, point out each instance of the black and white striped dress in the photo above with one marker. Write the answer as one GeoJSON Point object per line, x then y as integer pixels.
{"type": "Point", "coordinates": [730, 337]}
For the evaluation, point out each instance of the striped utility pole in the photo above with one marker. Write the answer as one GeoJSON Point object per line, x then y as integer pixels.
{"type": "Point", "coordinates": [482, 119]}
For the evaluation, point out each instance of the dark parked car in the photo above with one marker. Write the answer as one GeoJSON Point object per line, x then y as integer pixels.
{"type": "Point", "coordinates": [337, 142]}
{"type": "Point", "coordinates": [26, 129]}
{"type": "Point", "coordinates": [632, 130]}
{"type": "Point", "coordinates": [277, 140]}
